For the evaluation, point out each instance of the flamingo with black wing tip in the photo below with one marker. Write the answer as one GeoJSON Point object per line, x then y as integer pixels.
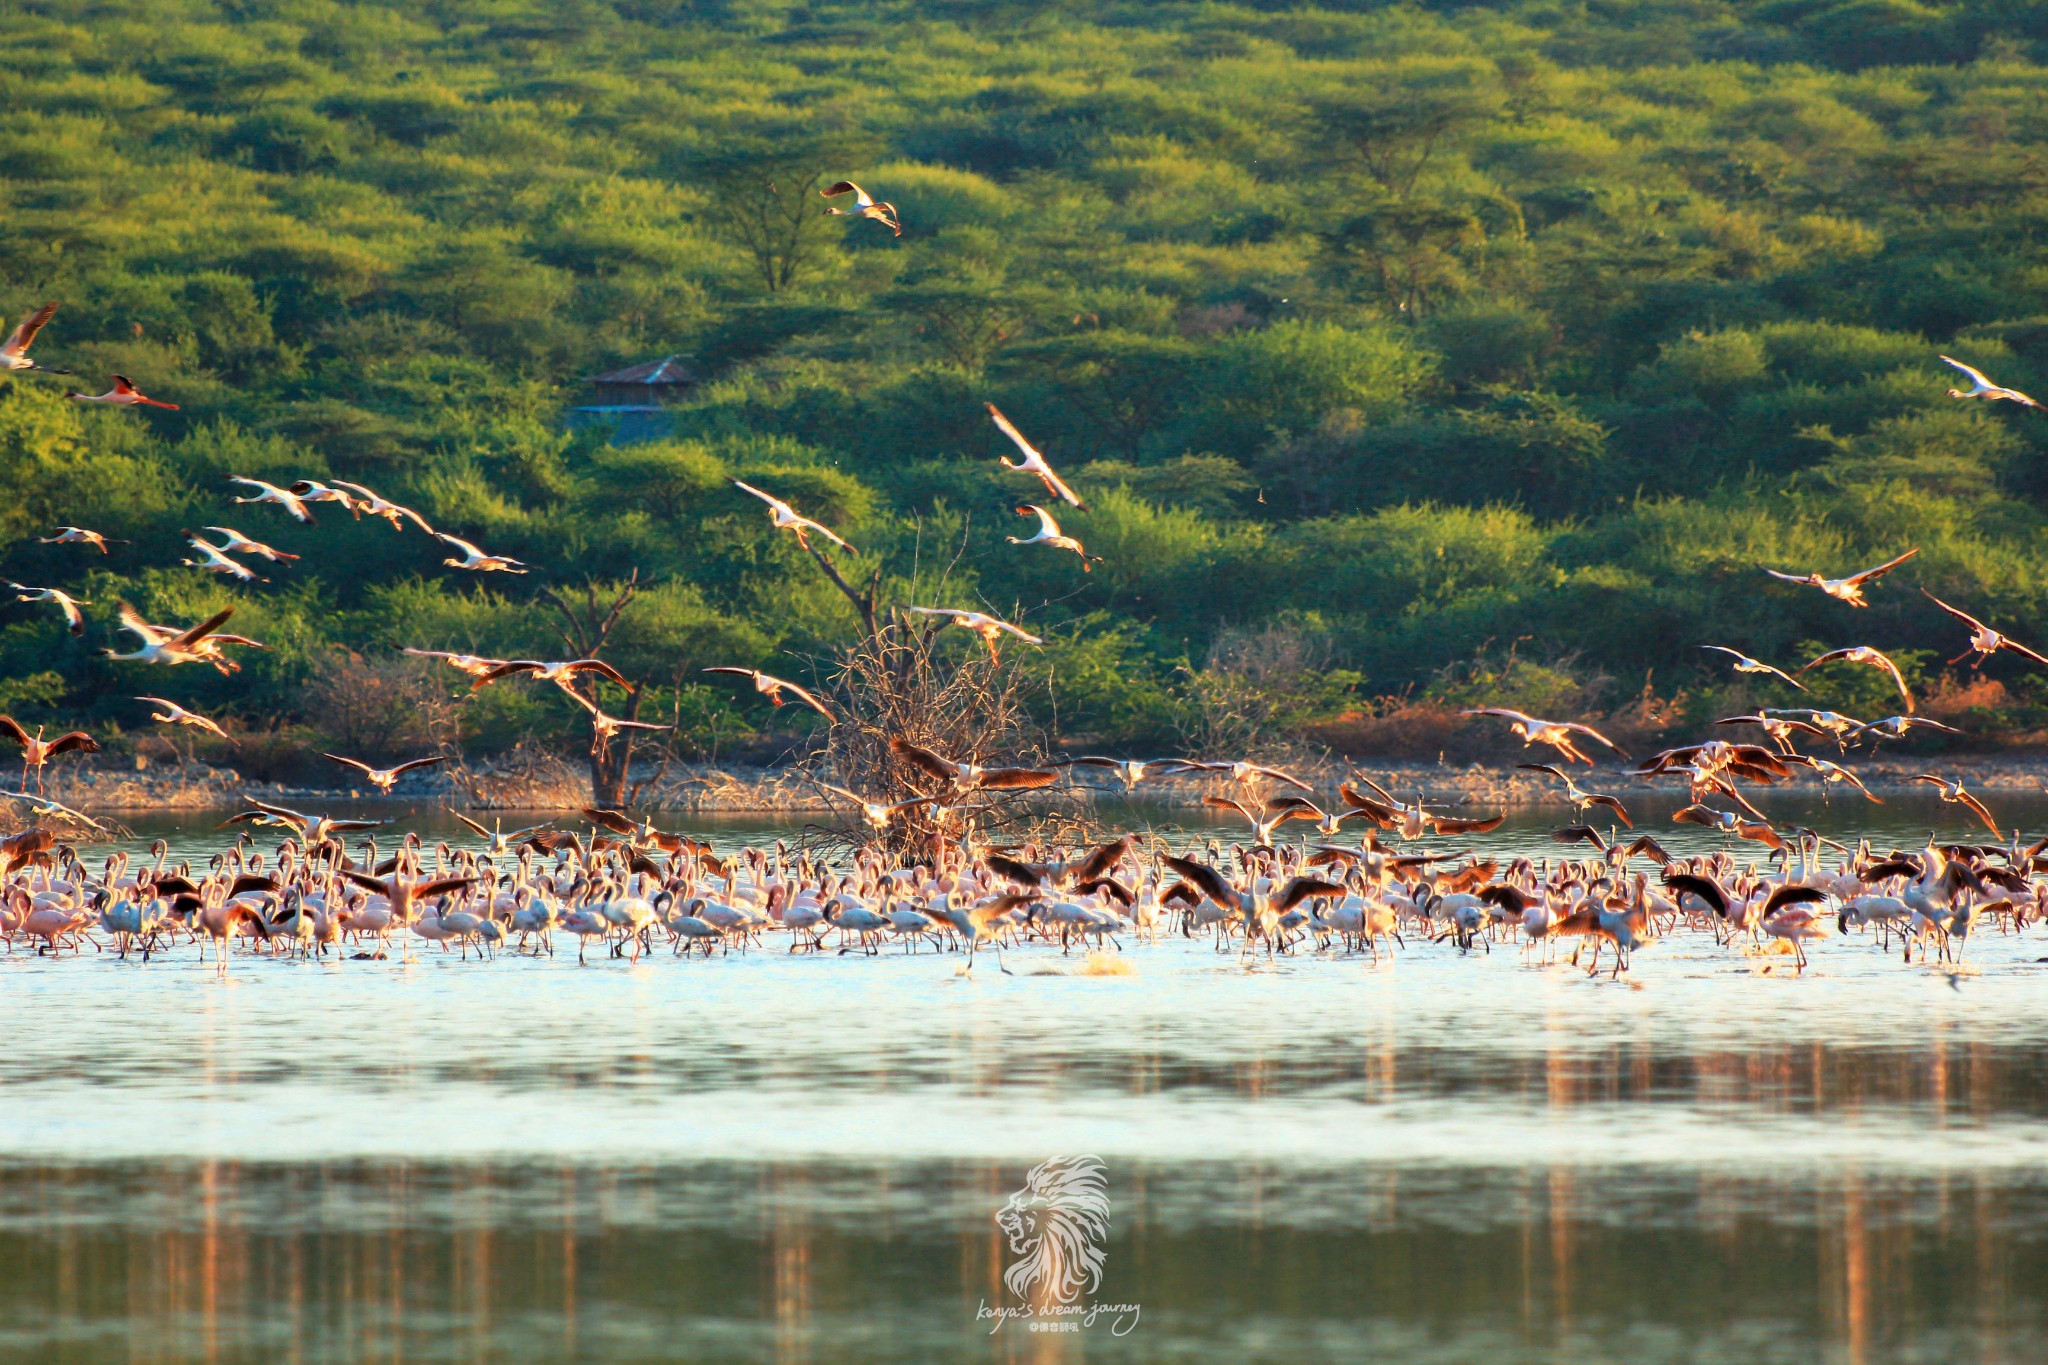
{"type": "Point", "coordinates": [474, 665]}
{"type": "Point", "coordinates": [36, 752]}
{"type": "Point", "coordinates": [878, 814]}
{"type": "Point", "coordinates": [123, 394]}
{"type": "Point", "coordinates": [1951, 791]}
{"type": "Point", "coordinates": [370, 504]}
{"type": "Point", "coordinates": [1850, 589]}
{"type": "Point", "coordinates": [1049, 534]}
{"type": "Point", "coordinates": [312, 490]}
{"type": "Point", "coordinates": [970, 776]}
{"type": "Point", "coordinates": [1984, 641]}
{"type": "Point", "coordinates": [79, 535]}
{"type": "Point", "coordinates": [160, 646]}
{"type": "Point", "coordinates": [561, 673]}
{"type": "Point", "coordinates": [773, 687]}
{"type": "Point", "coordinates": [607, 727]}
{"type": "Point", "coordinates": [1580, 798]}
{"type": "Point", "coordinates": [1779, 729]}
{"type": "Point", "coordinates": [1898, 727]}
{"type": "Point", "coordinates": [1128, 771]}
{"type": "Point", "coordinates": [1874, 658]}
{"type": "Point", "coordinates": [865, 205]}
{"type": "Point", "coordinates": [384, 779]}
{"type": "Point", "coordinates": [1745, 664]}
{"type": "Point", "coordinates": [271, 493]}
{"type": "Point", "coordinates": [239, 544]}
{"type": "Point", "coordinates": [212, 560]}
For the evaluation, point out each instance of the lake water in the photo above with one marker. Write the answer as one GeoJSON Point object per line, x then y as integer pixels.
{"type": "Point", "coordinates": [1439, 1157]}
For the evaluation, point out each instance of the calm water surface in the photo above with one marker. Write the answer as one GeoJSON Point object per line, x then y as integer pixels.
{"type": "Point", "coordinates": [770, 1158]}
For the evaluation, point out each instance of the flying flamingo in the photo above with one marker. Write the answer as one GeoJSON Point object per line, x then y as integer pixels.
{"type": "Point", "coordinates": [772, 688]}
{"type": "Point", "coordinates": [239, 544]}
{"type": "Point", "coordinates": [214, 561]}
{"type": "Point", "coordinates": [476, 560]}
{"type": "Point", "coordinates": [864, 205]}
{"type": "Point", "coordinates": [785, 518]}
{"type": "Point", "coordinates": [1745, 664]}
{"type": "Point", "coordinates": [1984, 641]}
{"type": "Point", "coordinates": [1983, 388]}
{"type": "Point", "coordinates": [78, 535]}
{"type": "Point", "coordinates": [1033, 462]}
{"type": "Point", "coordinates": [174, 714]}
{"type": "Point", "coordinates": [73, 618]}
{"type": "Point", "coordinates": [36, 752]}
{"type": "Point", "coordinates": [989, 628]}
{"type": "Point", "coordinates": [1850, 589]}
{"type": "Point", "coordinates": [14, 351]}
{"type": "Point", "coordinates": [270, 492]}
{"type": "Point", "coordinates": [1556, 733]}
{"type": "Point", "coordinates": [124, 394]}
{"type": "Point", "coordinates": [1049, 534]}
{"type": "Point", "coordinates": [383, 779]}
{"type": "Point", "coordinates": [161, 646]}
{"type": "Point", "coordinates": [1864, 654]}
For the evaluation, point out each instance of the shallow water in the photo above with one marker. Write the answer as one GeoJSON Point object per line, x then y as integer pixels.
{"type": "Point", "coordinates": [1439, 1156]}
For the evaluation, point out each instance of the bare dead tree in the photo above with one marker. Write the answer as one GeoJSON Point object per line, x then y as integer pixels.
{"type": "Point", "coordinates": [586, 626]}
{"type": "Point", "coordinates": [910, 678]}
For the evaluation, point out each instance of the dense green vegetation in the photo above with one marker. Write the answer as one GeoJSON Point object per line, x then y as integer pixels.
{"type": "Point", "coordinates": [1383, 339]}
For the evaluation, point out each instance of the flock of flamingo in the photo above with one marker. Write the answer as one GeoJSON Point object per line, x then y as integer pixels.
{"type": "Point", "coordinates": [625, 887]}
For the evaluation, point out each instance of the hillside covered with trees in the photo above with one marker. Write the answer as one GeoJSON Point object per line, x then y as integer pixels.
{"type": "Point", "coordinates": [1406, 354]}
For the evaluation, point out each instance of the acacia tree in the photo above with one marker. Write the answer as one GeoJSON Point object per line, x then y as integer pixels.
{"type": "Point", "coordinates": [1413, 251]}
{"type": "Point", "coordinates": [1392, 129]}
{"type": "Point", "coordinates": [763, 189]}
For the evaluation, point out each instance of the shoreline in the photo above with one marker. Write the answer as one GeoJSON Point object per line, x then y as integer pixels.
{"type": "Point", "coordinates": [740, 790]}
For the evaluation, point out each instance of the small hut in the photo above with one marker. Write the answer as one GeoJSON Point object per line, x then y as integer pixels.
{"type": "Point", "coordinates": [634, 400]}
